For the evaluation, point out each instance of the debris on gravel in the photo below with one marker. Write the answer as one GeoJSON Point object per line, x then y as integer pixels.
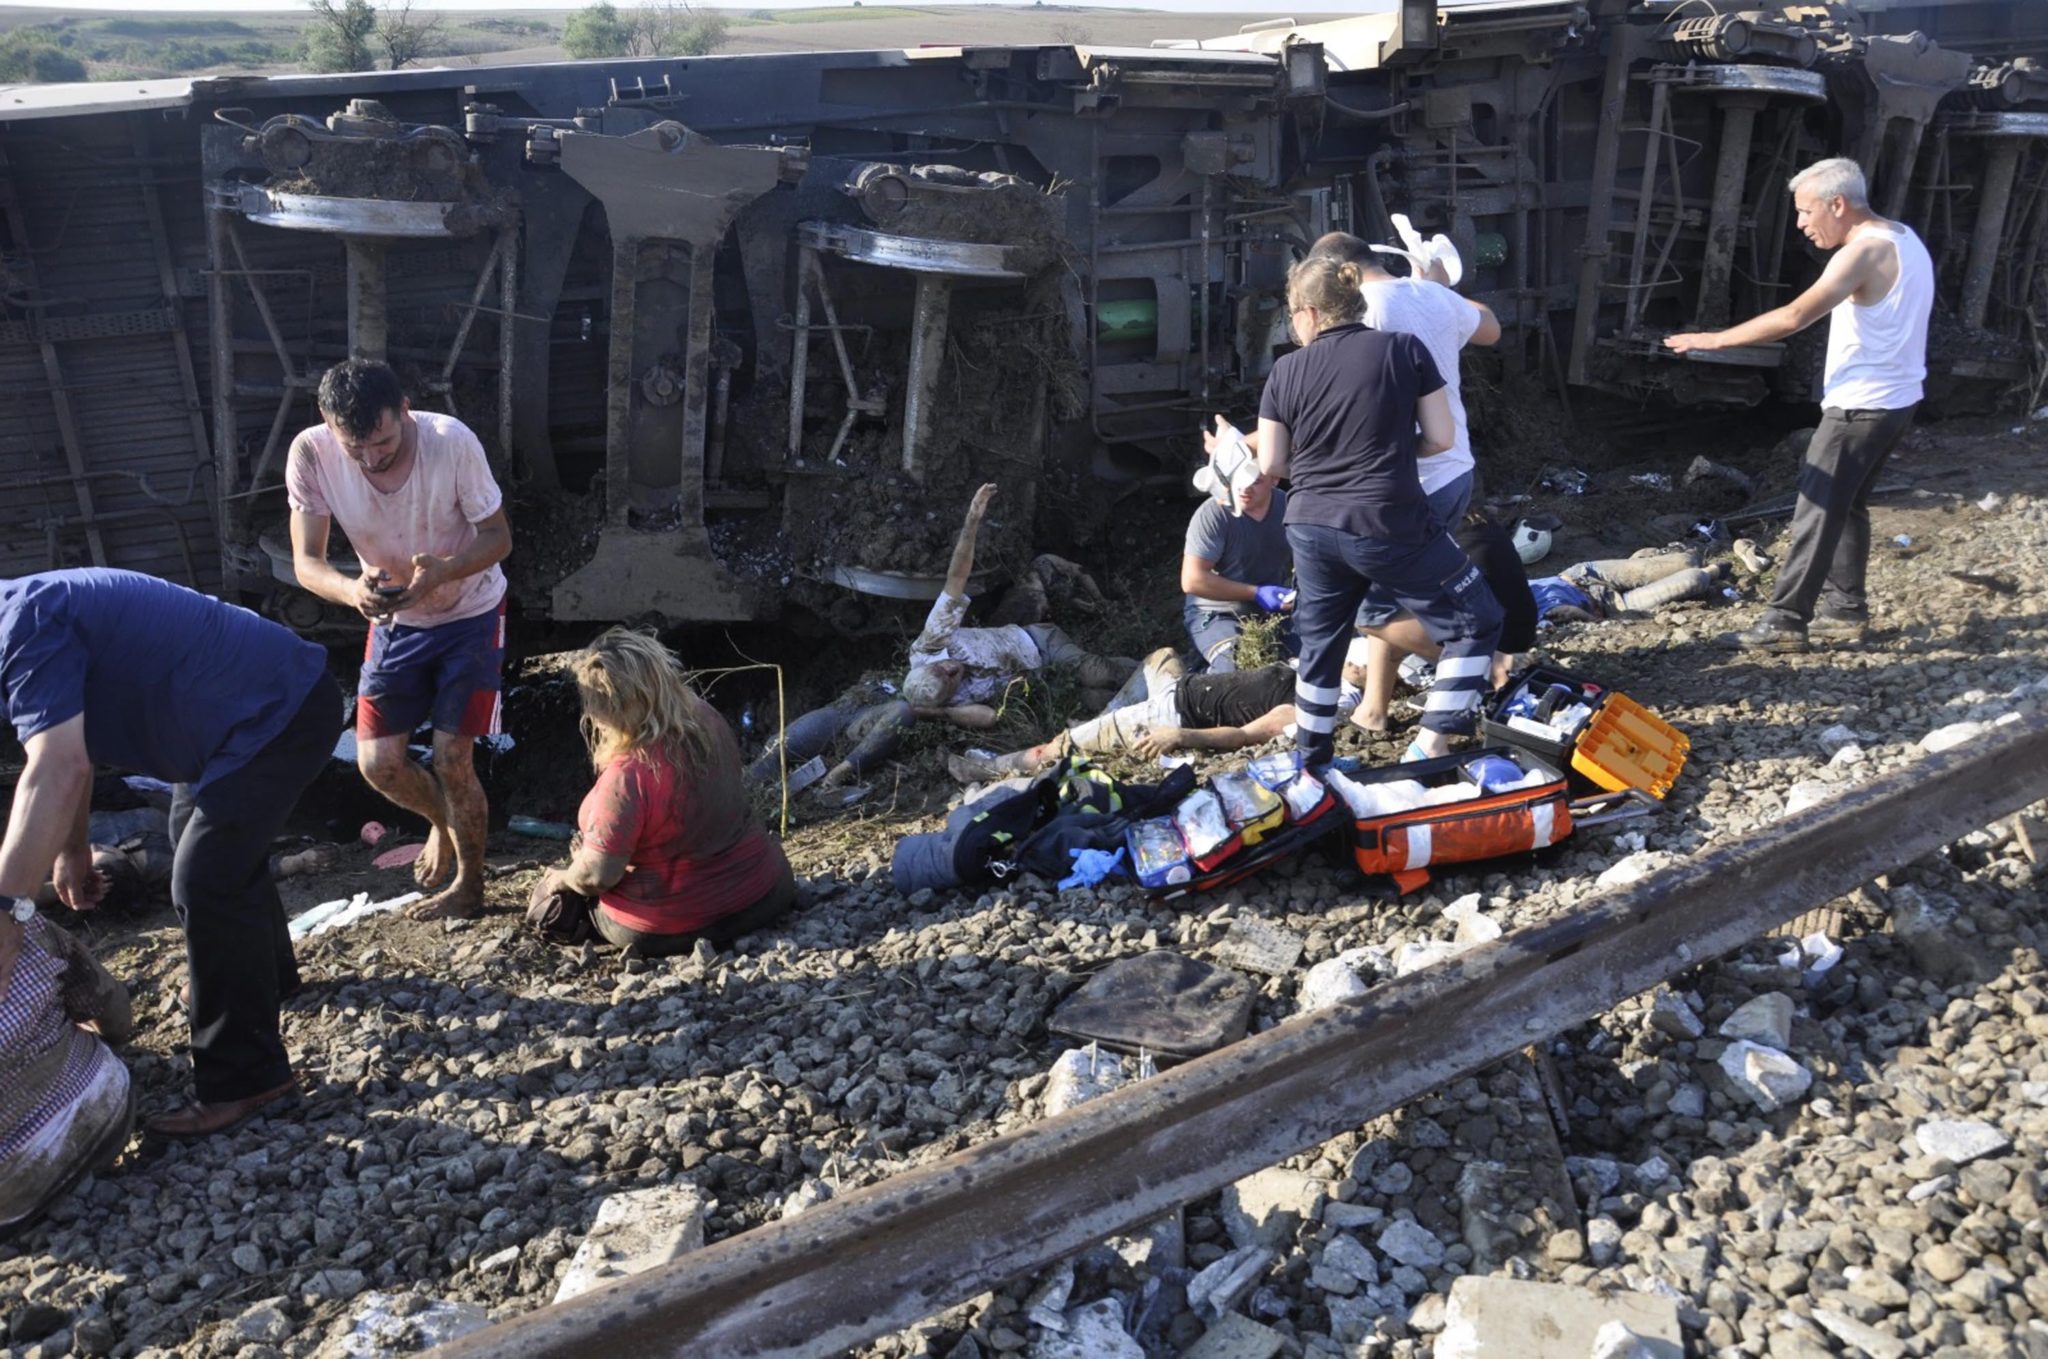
{"type": "Point", "coordinates": [1792, 1160]}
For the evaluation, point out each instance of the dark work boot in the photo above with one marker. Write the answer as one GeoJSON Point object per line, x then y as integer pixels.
{"type": "Point", "coordinates": [1834, 628]}
{"type": "Point", "coordinates": [1766, 635]}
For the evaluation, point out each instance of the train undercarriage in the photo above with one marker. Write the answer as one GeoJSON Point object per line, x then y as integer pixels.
{"type": "Point", "coordinates": [739, 332]}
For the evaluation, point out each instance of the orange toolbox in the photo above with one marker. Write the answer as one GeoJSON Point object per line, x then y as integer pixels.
{"type": "Point", "coordinates": [1615, 745]}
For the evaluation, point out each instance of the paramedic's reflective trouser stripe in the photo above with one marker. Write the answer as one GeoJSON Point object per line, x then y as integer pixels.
{"type": "Point", "coordinates": [1434, 580]}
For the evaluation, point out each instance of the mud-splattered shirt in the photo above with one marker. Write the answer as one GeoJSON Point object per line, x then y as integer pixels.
{"type": "Point", "coordinates": [993, 656]}
{"type": "Point", "coordinates": [693, 853]}
{"type": "Point", "coordinates": [448, 493]}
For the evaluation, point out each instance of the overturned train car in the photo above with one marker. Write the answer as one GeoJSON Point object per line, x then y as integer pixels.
{"type": "Point", "coordinates": [738, 332]}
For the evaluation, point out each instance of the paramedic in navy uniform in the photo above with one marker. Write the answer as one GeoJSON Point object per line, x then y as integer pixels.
{"type": "Point", "coordinates": [1339, 419]}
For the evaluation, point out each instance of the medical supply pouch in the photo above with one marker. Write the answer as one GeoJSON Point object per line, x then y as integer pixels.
{"type": "Point", "coordinates": [1305, 796]}
{"type": "Point", "coordinates": [1282, 843]}
{"type": "Point", "coordinates": [1460, 808]}
{"type": "Point", "coordinates": [1159, 858]}
{"type": "Point", "coordinates": [1253, 809]}
{"type": "Point", "coordinates": [1205, 830]}
{"type": "Point", "coordinates": [1276, 768]}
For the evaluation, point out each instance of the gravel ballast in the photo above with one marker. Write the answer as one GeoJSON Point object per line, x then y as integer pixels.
{"type": "Point", "coordinates": [473, 1095]}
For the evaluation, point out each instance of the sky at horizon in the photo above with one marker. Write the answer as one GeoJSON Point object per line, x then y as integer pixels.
{"type": "Point", "coordinates": [1317, 7]}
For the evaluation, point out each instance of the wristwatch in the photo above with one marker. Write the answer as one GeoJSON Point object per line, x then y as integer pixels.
{"type": "Point", "coordinates": [23, 910]}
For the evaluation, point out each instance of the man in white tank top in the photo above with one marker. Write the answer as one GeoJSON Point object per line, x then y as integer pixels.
{"type": "Point", "coordinates": [1877, 292]}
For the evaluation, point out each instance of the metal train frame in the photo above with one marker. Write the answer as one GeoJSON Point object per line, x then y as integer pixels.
{"type": "Point", "coordinates": [694, 305]}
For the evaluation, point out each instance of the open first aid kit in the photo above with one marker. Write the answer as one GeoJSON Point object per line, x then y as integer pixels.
{"type": "Point", "coordinates": [1462, 808]}
{"type": "Point", "coordinates": [1238, 824]}
{"type": "Point", "coordinates": [1606, 738]}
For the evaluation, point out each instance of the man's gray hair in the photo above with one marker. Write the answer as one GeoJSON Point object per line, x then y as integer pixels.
{"type": "Point", "coordinates": [1835, 177]}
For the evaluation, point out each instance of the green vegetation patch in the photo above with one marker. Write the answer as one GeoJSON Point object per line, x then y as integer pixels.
{"type": "Point", "coordinates": [34, 54]}
{"type": "Point", "coordinates": [192, 26]}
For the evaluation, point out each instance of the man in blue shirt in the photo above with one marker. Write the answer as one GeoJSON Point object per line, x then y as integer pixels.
{"type": "Point", "coordinates": [113, 667]}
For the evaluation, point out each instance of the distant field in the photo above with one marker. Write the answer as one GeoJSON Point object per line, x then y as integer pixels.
{"type": "Point", "coordinates": [825, 14]}
{"type": "Point", "coordinates": [122, 45]}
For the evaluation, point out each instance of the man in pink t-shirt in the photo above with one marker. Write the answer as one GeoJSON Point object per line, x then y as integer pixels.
{"type": "Point", "coordinates": [415, 495]}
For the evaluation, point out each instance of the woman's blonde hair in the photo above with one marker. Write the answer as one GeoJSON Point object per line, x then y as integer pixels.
{"type": "Point", "coordinates": [1330, 286]}
{"type": "Point", "coordinates": [636, 701]}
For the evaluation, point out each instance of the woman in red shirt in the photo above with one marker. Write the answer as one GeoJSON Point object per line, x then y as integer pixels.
{"type": "Point", "coordinates": [668, 847]}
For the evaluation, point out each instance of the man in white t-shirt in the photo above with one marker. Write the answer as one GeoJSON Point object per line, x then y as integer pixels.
{"type": "Point", "coordinates": [415, 495]}
{"type": "Point", "coordinates": [960, 673]}
{"type": "Point", "coordinates": [1877, 293]}
{"type": "Point", "coordinates": [1430, 310]}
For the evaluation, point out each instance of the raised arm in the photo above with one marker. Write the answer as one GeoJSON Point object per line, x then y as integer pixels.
{"type": "Point", "coordinates": [962, 565]}
{"type": "Point", "coordinates": [1488, 332]}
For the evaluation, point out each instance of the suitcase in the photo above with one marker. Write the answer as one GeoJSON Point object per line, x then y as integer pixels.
{"type": "Point", "coordinates": [1405, 843]}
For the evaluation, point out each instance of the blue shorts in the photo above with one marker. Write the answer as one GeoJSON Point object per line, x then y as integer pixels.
{"type": "Point", "coordinates": [448, 674]}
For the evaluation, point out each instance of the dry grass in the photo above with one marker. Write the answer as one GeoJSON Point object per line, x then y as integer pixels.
{"type": "Point", "coordinates": [1258, 640]}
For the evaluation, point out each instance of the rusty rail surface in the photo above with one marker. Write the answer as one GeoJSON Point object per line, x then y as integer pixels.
{"type": "Point", "coordinates": [893, 1253]}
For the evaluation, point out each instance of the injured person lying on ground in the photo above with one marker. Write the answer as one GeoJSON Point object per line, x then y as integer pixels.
{"type": "Point", "coordinates": [960, 672]}
{"type": "Point", "coordinates": [1586, 592]}
{"type": "Point", "coordinates": [132, 855]}
{"type": "Point", "coordinates": [1168, 709]}
{"type": "Point", "coordinates": [957, 674]}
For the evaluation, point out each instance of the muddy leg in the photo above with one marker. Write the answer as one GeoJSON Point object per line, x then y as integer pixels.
{"type": "Point", "coordinates": [390, 770]}
{"type": "Point", "coordinates": [463, 830]}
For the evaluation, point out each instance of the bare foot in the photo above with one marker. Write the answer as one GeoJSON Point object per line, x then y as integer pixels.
{"type": "Point", "coordinates": [1376, 725]}
{"type": "Point", "coordinates": [459, 902]}
{"type": "Point", "coordinates": [436, 860]}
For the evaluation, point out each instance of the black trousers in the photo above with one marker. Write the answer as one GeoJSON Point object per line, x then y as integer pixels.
{"type": "Point", "coordinates": [772, 906]}
{"type": "Point", "coordinates": [1830, 548]}
{"type": "Point", "coordinates": [237, 947]}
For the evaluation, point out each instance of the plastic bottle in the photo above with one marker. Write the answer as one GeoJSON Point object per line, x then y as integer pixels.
{"type": "Point", "coordinates": [539, 829]}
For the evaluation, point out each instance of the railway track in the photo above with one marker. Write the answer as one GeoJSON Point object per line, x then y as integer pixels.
{"type": "Point", "coordinates": [886, 1256]}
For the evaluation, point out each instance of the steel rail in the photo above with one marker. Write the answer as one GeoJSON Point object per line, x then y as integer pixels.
{"type": "Point", "coordinates": [893, 1253]}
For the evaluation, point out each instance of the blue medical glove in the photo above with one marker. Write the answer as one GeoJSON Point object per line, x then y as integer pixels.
{"type": "Point", "coordinates": [1091, 866]}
